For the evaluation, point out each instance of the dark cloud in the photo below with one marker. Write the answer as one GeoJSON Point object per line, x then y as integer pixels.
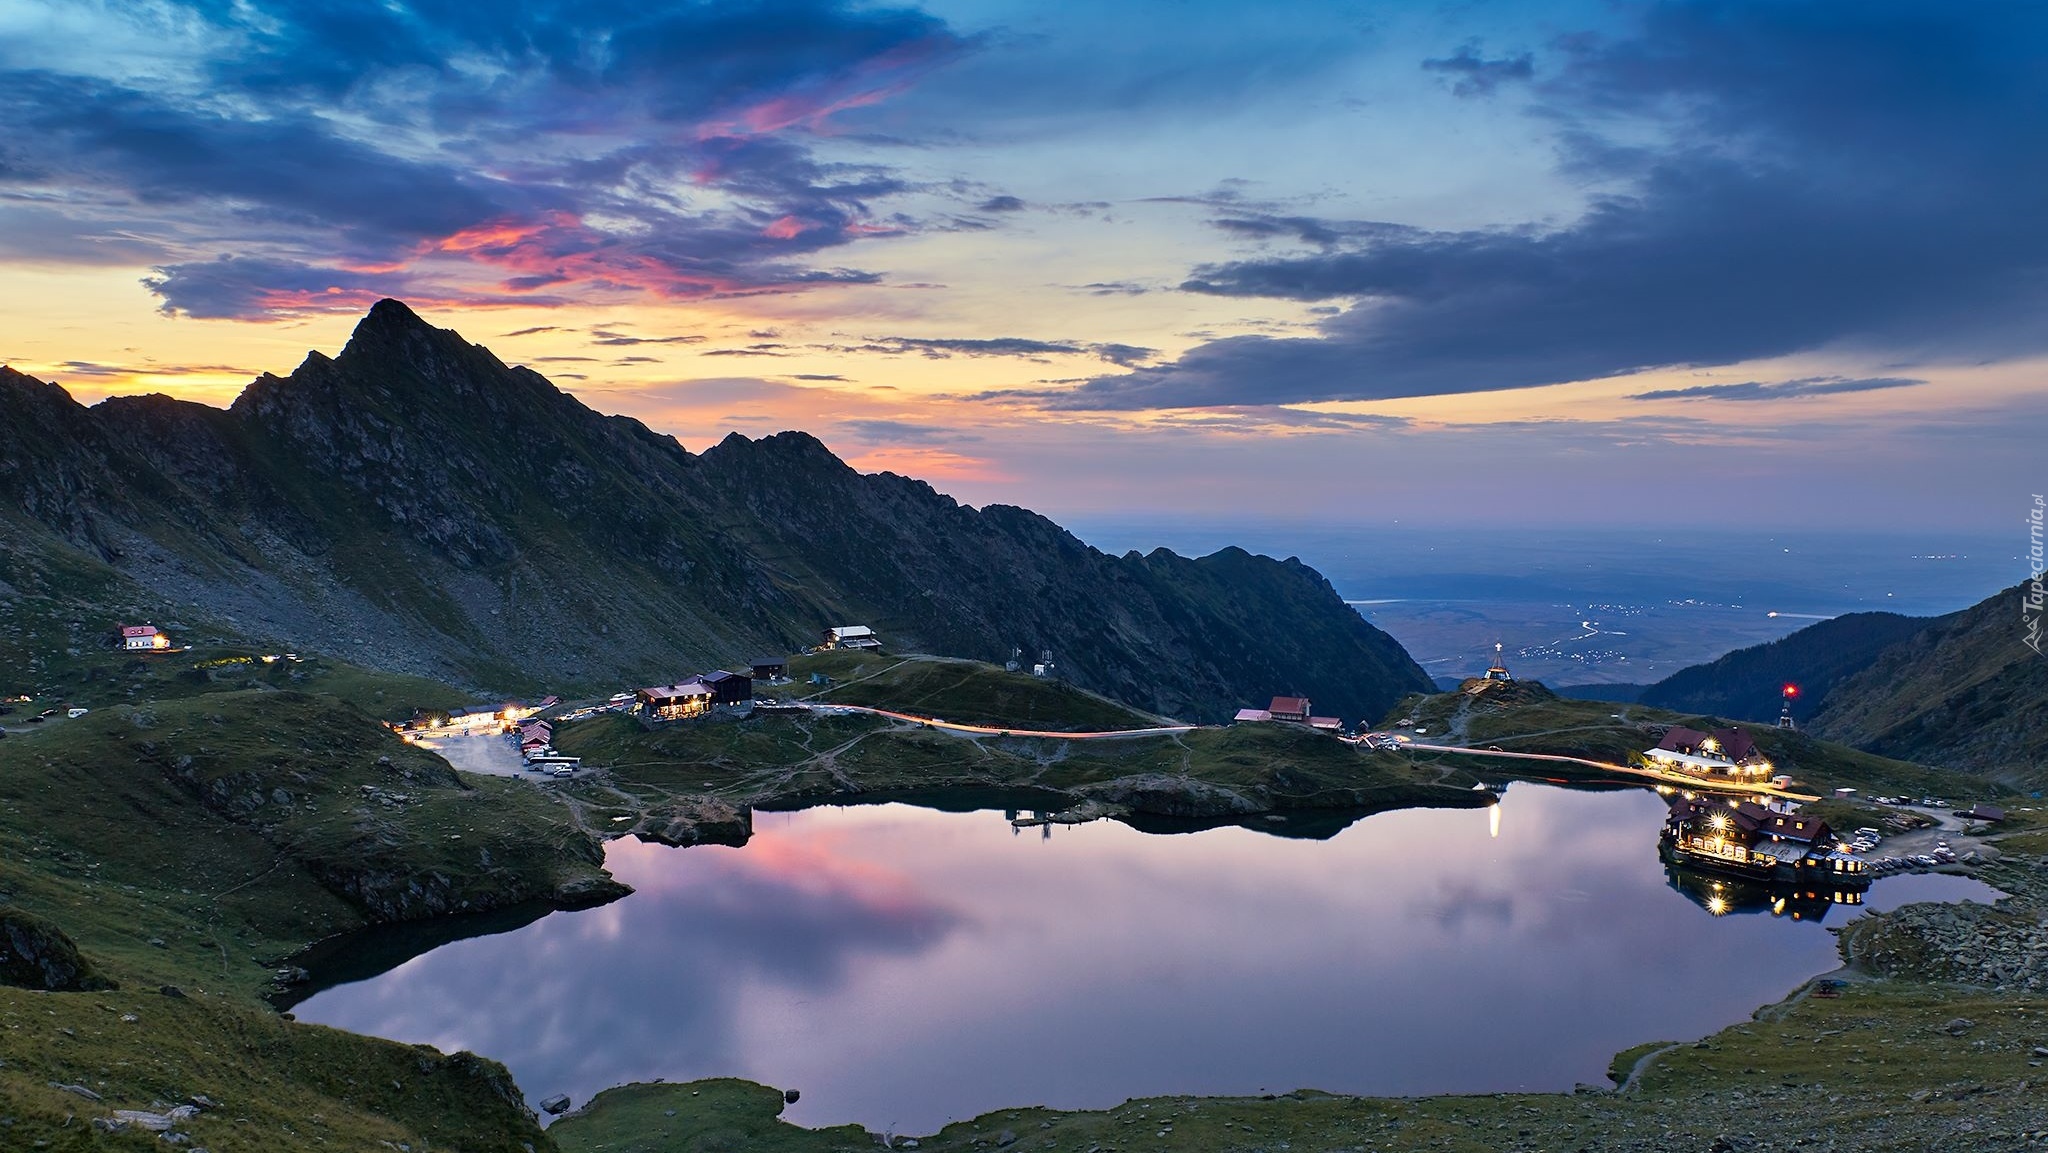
{"type": "Point", "coordinates": [256, 286]}
{"type": "Point", "coordinates": [743, 352]}
{"type": "Point", "coordinates": [1845, 176]}
{"type": "Point", "coordinates": [1001, 204]}
{"type": "Point", "coordinates": [1759, 390]}
{"type": "Point", "coordinates": [816, 376]}
{"type": "Point", "coordinates": [563, 359]}
{"type": "Point", "coordinates": [1475, 75]}
{"type": "Point", "coordinates": [904, 432]}
{"type": "Point", "coordinates": [94, 368]}
{"type": "Point", "coordinates": [610, 338]}
{"type": "Point", "coordinates": [1114, 288]}
{"type": "Point", "coordinates": [474, 154]}
{"type": "Point", "coordinates": [626, 360]}
{"type": "Point", "coordinates": [529, 331]}
{"type": "Point", "coordinates": [755, 65]}
{"type": "Point", "coordinates": [938, 348]}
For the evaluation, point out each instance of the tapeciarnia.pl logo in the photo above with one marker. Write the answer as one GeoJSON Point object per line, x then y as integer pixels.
{"type": "Point", "coordinates": [2031, 602]}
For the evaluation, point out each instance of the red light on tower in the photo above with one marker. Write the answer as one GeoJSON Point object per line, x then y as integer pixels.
{"type": "Point", "coordinates": [1791, 691]}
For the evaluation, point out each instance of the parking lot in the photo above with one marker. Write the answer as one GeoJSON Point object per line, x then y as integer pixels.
{"type": "Point", "coordinates": [479, 753]}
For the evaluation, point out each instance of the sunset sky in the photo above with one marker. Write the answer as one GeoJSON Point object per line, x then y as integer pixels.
{"type": "Point", "coordinates": [1715, 263]}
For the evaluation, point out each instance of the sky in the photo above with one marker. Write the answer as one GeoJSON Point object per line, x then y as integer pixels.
{"type": "Point", "coordinates": [1712, 263]}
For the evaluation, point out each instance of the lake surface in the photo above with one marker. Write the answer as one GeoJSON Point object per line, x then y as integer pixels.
{"type": "Point", "coordinates": [904, 967]}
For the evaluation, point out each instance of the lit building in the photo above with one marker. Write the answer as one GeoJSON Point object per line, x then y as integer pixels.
{"type": "Point", "coordinates": [692, 698]}
{"type": "Point", "coordinates": [851, 637]}
{"type": "Point", "coordinates": [143, 639]}
{"type": "Point", "coordinates": [1745, 839]}
{"type": "Point", "coordinates": [1728, 754]}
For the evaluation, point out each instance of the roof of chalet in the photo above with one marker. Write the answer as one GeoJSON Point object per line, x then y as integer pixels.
{"type": "Point", "coordinates": [1678, 737]}
{"type": "Point", "coordinates": [852, 631]}
{"type": "Point", "coordinates": [1790, 826]}
{"type": "Point", "coordinates": [1293, 706]}
{"type": "Point", "coordinates": [1325, 723]}
{"type": "Point", "coordinates": [1253, 715]}
{"type": "Point", "coordinates": [138, 630]}
{"type": "Point", "coordinates": [689, 688]}
{"type": "Point", "coordinates": [1790, 852]}
{"type": "Point", "coordinates": [1735, 743]}
{"type": "Point", "coordinates": [720, 676]}
{"type": "Point", "coordinates": [1750, 818]}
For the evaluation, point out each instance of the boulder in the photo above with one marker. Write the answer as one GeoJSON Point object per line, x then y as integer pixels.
{"type": "Point", "coordinates": [35, 954]}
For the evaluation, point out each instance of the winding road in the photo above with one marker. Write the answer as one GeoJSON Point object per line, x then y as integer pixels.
{"type": "Point", "coordinates": [1659, 775]}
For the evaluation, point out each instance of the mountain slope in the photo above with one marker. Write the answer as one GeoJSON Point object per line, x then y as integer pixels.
{"type": "Point", "coordinates": [1745, 684]}
{"type": "Point", "coordinates": [1964, 692]}
{"type": "Point", "coordinates": [414, 503]}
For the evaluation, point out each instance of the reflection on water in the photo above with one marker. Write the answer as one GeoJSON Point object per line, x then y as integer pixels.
{"type": "Point", "coordinates": [903, 967]}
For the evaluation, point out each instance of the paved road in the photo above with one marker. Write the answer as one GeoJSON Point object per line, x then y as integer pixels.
{"type": "Point", "coordinates": [1678, 779]}
{"type": "Point", "coordinates": [989, 731]}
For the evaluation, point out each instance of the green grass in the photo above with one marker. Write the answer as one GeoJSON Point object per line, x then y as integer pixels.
{"type": "Point", "coordinates": [193, 842]}
{"type": "Point", "coordinates": [966, 692]}
{"type": "Point", "coordinates": [699, 1117]}
{"type": "Point", "coordinates": [780, 758]}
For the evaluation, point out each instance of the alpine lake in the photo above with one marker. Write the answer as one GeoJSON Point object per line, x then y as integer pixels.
{"type": "Point", "coordinates": [904, 966]}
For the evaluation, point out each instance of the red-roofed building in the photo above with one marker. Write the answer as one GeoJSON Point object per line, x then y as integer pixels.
{"type": "Point", "coordinates": [1289, 709]}
{"type": "Point", "coordinates": [1727, 753]}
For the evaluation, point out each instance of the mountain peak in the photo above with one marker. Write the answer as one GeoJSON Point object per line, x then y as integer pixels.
{"type": "Point", "coordinates": [390, 324]}
{"type": "Point", "coordinates": [390, 313]}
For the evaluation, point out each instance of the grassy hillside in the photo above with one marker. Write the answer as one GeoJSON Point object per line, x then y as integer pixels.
{"type": "Point", "coordinates": [1216, 772]}
{"type": "Point", "coordinates": [1746, 684]}
{"type": "Point", "coordinates": [184, 846]}
{"type": "Point", "coordinates": [968, 692]}
{"type": "Point", "coordinates": [1966, 693]}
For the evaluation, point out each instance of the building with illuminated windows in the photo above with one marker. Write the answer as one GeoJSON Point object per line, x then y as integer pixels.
{"type": "Point", "coordinates": [1724, 754]}
{"type": "Point", "coordinates": [1747, 840]}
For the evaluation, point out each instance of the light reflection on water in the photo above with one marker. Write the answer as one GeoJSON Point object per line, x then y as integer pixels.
{"type": "Point", "coordinates": [904, 967]}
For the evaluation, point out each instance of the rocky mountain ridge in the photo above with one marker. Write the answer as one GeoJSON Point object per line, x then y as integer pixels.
{"type": "Point", "coordinates": [416, 504]}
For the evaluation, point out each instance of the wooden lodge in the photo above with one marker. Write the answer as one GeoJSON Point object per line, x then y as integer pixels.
{"type": "Point", "coordinates": [729, 688]}
{"type": "Point", "coordinates": [692, 698]}
{"type": "Point", "coordinates": [851, 637]}
{"type": "Point", "coordinates": [1726, 754]}
{"type": "Point", "coordinates": [695, 697]}
{"type": "Point", "coordinates": [1745, 839]}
